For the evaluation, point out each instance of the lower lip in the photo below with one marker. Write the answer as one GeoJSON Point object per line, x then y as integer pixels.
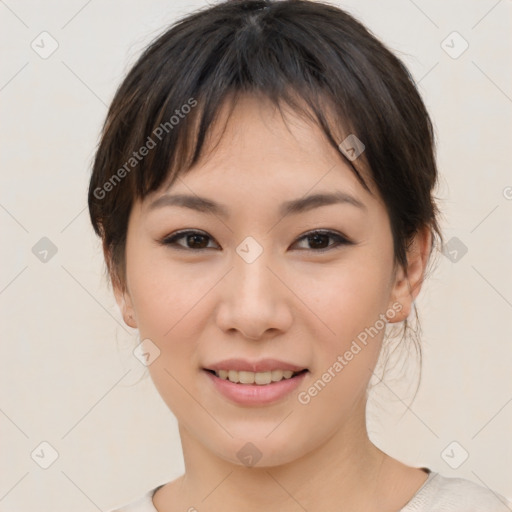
{"type": "Point", "coordinates": [254, 394]}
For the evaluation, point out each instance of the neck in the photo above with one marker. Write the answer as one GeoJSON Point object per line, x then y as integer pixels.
{"type": "Point", "coordinates": [345, 468]}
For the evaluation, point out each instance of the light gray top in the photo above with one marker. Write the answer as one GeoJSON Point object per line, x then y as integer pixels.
{"type": "Point", "coordinates": [437, 494]}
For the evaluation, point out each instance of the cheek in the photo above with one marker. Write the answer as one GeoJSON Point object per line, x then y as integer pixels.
{"type": "Point", "coordinates": [162, 292]}
{"type": "Point", "coordinates": [173, 310]}
{"type": "Point", "coordinates": [350, 302]}
{"type": "Point", "coordinates": [170, 313]}
{"type": "Point", "coordinates": [351, 296]}
{"type": "Point", "coordinates": [171, 316]}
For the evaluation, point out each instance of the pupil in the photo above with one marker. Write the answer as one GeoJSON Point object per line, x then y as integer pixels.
{"type": "Point", "coordinates": [317, 238]}
{"type": "Point", "coordinates": [194, 239]}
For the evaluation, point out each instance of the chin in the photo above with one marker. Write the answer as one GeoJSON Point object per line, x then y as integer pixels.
{"type": "Point", "coordinates": [258, 451]}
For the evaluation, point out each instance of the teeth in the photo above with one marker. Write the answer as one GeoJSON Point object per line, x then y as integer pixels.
{"type": "Point", "coordinates": [259, 378]}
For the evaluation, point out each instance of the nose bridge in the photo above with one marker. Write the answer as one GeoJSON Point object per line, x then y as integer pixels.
{"type": "Point", "coordinates": [252, 277]}
{"type": "Point", "coordinates": [254, 300]}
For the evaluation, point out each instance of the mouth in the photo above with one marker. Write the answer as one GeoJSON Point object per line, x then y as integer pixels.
{"type": "Point", "coordinates": [255, 378]}
{"type": "Point", "coordinates": [255, 389]}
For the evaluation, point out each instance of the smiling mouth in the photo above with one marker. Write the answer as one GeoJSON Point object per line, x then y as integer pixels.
{"type": "Point", "coordinates": [255, 378]}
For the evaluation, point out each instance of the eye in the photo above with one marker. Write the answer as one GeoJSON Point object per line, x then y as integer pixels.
{"type": "Point", "coordinates": [194, 240]}
{"type": "Point", "coordinates": [318, 240]}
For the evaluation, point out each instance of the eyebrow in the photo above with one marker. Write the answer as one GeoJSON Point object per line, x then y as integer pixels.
{"type": "Point", "coordinates": [295, 206]}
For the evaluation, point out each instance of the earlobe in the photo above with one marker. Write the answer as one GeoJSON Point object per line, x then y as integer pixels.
{"type": "Point", "coordinates": [128, 313]}
{"type": "Point", "coordinates": [400, 297]}
{"type": "Point", "coordinates": [124, 302]}
{"type": "Point", "coordinates": [121, 293]}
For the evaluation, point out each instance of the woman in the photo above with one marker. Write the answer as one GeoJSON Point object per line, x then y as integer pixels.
{"type": "Point", "coordinates": [263, 189]}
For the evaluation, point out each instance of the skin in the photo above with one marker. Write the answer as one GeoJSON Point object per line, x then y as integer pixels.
{"type": "Point", "coordinates": [291, 303]}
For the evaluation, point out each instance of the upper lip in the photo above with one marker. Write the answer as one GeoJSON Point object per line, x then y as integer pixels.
{"type": "Point", "coordinates": [263, 365]}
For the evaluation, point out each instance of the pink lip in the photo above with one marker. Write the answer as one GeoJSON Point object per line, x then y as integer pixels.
{"type": "Point", "coordinates": [263, 365]}
{"type": "Point", "coordinates": [255, 394]}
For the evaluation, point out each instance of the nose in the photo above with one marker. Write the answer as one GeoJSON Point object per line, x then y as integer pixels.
{"type": "Point", "coordinates": [254, 301]}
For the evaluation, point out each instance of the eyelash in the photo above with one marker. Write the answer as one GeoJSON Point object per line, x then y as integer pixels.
{"type": "Point", "coordinates": [340, 240]}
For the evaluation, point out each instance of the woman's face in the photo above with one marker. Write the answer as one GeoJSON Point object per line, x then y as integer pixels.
{"type": "Point", "coordinates": [253, 285]}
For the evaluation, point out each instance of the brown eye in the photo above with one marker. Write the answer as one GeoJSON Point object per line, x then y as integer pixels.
{"type": "Point", "coordinates": [318, 241]}
{"type": "Point", "coordinates": [194, 240]}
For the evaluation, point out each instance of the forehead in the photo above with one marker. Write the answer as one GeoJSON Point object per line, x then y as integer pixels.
{"type": "Point", "coordinates": [263, 167]}
{"type": "Point", "coordinates": [254, 145]}
{"type": "Point", "coordinates": [254, 125]}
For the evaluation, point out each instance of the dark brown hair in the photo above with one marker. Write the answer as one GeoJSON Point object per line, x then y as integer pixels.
{"type": "Point", "coordinates": [311, 56]}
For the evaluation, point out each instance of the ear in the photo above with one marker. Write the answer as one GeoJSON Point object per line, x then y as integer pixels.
{"type": "Point", "coordinates": [121, 292]}
{"type": "Point", "coordinates": [407, 285]}
{"type": "Point", "coordinates": [125, 304]}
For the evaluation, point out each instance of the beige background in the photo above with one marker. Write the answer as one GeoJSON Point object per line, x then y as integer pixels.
{"type": "Point", "coordinates": [67, 372]}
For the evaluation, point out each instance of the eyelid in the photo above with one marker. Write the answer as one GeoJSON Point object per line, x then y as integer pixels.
{"type": "Point", "coordinates": [170, 240]}
{"type": "Point", "coordinates": [340, 239]}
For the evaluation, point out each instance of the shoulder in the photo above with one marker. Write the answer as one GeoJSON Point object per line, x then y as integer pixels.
{"type": "Point", "coordinates": [446, 494]}
{"type": "Point", "coordinates": [143, 504]}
